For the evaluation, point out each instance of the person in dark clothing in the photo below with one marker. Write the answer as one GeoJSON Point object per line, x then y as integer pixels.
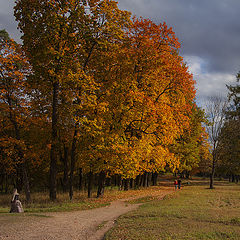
{"type": "Point", "coordinates": [179, 184]}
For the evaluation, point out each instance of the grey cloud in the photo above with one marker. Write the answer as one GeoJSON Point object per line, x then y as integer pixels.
{"type": "Point", "coordinates": [208, 29]}
{"type": "Point", "coordinates": [7, 20]}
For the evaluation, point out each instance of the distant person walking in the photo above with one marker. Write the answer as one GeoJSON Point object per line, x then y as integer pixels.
{"type": "Point", "coordinates": [179, 183]}
{"type": "Point", "coordinates": [176, 184]}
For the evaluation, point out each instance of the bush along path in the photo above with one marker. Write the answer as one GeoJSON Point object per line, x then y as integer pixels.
{"type": "Point", "coordinates": [88, 224]}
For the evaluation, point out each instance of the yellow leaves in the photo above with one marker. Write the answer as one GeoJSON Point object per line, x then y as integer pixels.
{"type": "Point", "coordinates": [122, 83]}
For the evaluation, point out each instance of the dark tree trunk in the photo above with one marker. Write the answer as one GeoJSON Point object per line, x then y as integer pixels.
{"type": "Point", "coordinates": [212, 175]}
{"type": "Point", "coordinates": [101, 184]}
{"type": "Point", "coordinates": [237, 178]}
{"type": "Point", "coordinates": [115, 180]}
{"type": "Point", "coordinates": [26, 183]}
{"type": "Point", "coordinates": [65, 169]}
{"type": "Point", "coordinates": [108, 182]}
{"type": "Point", "coordinates": [145, 179]}
{"type": "Point", "coordinates": [131, 183]}
{"type": "Point", "coordinates": [1, 181]}
{"type": "Point", "coordinates": [80, 183]}
{"type": "Point", "coordinates": [141, 180]}
{"type": "Point", "coordinates": [53, 154]}
{"type": "Point", "coordinates": [233, 178]}
{"type": "Point", "coordinates": [154, 178]}
{"type": "Point", "coordinates": [137, 181]}
{"type": "Point", "coordinates": [120, 182]}
{"type": "Point", "coordinates": [126, 184]}
{"type": "Point", "coordinates": [148, 179]}
{"type": "Point", "coordinates": [73, 160]}
{"type": "Point", "coordinates": [6, 183]}
{"type": "Point", "coordinates": [19, 179]}
{"type": "Point", "coordinates": [90, 182]}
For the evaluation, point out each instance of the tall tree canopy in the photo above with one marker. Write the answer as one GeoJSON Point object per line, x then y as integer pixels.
{"type": "Point", "coordinates": [112, 92]}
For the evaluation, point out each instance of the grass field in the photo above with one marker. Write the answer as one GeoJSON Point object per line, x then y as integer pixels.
{"type": "Point", "coordinates": [195, 212]}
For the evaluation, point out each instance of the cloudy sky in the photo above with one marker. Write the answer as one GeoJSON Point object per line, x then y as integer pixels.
{"type": "Point", "coordinates": [209, 32]}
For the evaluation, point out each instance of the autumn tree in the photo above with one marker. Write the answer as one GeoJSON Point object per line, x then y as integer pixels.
{"type": "Point", "coordinates": [115, 93]}
{"type": "Point", "coordinates": [14, 105]}
{"type": "Point", "coordinates": [192, 146]}
{"type": "Point", "coordinates": [59, 38]}
{"type": "Point", "coordinates": [160, 93]}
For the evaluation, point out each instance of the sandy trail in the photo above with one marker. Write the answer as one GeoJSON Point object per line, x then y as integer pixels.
{"type": "Point", "coordinates": [80, 225]}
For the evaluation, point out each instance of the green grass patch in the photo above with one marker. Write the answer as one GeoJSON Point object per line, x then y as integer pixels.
{"type": "Point", "coordinates": [195, 212]}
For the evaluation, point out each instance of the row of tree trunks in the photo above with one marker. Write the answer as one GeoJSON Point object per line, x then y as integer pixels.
{"type": "Point", "coordinates": [15, 181]}
{"type": "Point", "coordinates": [234, 178]}
{"type": "Point", "coordinates": [4, 179]}
{"type": "Point", "coordinates": [90, 180]}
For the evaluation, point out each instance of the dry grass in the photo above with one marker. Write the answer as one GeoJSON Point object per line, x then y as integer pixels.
{"type": "Point", "coordinates": [196, 212]}
{"type": "Point", "coordinates": [41, 203]}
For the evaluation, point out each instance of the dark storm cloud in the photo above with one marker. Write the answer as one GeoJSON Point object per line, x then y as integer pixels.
{"type": "Point", "coordinates": [209, 29]}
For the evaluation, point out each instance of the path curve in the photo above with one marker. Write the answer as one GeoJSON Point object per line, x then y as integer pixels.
{"type": "Point", "coordinates": [80, 225]}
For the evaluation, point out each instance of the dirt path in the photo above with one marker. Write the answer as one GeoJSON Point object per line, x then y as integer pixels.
{"type": "Point", "coordinates": [89, 224]}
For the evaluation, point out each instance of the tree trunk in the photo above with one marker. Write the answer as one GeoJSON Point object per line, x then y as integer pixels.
{"type": "Point", "coordinates": [26, 183]}
{"type": "Point", "coordinates": [1, 181]}
{"type": "Point", "coordinates": [131, 183]}
{"type": "Point", "coordinates": [19, 179]}
{"type": "Point", "coordinates": [120, 182]}
{"type": "Point", "coordinates": [137, 180]}
{"type": "Point", "coordinates": [115, 180]}
{"type": "Point", "coordinates": [108, 182]}
{"type": "Point", "coordinates": [212, 175]}
{"type": "Point", "coordinates": [141, 180]}
{"type": "Point", "coordinates": [73, 159]}
{"type": "Point", "coordinates": [65, 169]}
{"type": "Point", "coordinates": [6, 183]}
{"type": "Point", "coordinates": [145, 179]}
{"type": "Point", "coordinates": [80, 183]}
{"type": "Point", "coordinates": [233, 178]}
{"type": "Point", "coordinates": [154, 178]}
{"type": "Point", "coordinates": [148, 179]}
{"type": "Point", "coordinates": [90, 181]}
{"type": "Point", "coordinates": [101, 184]}
{"type": "Point", "coordinates": [126, 184]}
{"type": "Point", "coordinates": [53, 154]}
{"type": "Point", "coordinates": [237, 178]}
